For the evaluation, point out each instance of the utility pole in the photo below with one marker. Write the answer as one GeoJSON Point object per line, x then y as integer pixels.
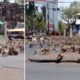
{"type": "Point", "coordinates": [5, 26]}
{"type": "Point", "coordinates": [47, 17]}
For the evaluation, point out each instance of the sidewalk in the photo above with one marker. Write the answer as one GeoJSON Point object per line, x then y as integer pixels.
{"type": "Point", "coordinates": [12, 61]}
{"type": "Point", "coordinates": [11, 74]}
{"type": "Point", "coordinates": [11, 67]}
{"type": "Point", "coordinates": [68, 57]}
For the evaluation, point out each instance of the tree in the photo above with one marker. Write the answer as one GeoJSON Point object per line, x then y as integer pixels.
{"type": "Point", "coordinates": [35, 20]}
{"type": "Point", "coordinates": [6, 1]}
{"type": "Point", "coordinates": [60, 26]}
{"type": "Point", "coordinates": [75, 7]}
{"type": "Point", "coordinates": [30, 12]}
{"type": "Point", "coordinates": [72, 10]}
{"type": "Point", "coordinates": [43, 8]}
{"type": "Point", "coordinates": [40, 23]}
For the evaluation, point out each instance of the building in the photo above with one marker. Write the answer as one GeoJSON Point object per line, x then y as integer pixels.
{"type": "Point", "coordinates": [12, 11]}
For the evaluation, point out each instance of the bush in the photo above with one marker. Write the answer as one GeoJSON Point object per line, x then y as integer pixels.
{"type": "Point", "coordinates": [1, 33]}
{"type": "Point", "coordinates": [60, 26]}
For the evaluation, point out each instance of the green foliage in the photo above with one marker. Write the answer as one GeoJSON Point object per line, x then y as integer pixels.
{"type": "Point", "coordinates": [43, 26]}
{"type": "Point", "coordinates": [43, 8]}
{"type": "Point", "coordinates": [68, 13]}
{"type": "Point", "coordinates": [40, 24]}
{"type": "Point", "coordinates": [39, 18]}
{"type": "Point", "coordinates": [72, 10]}
{"type": "Point", "coordinates": [35, 18]}
{"type": "Point", "coordinates": [2, 33]}
{"type": "Point", "coordinates": [5, 0]}
{"type": "Point", "coordinates": [30, 14]}
{"type": "Point", "coordinates": [75, 7]}
{"type": "Point", "coordinates": [30, 8]}
{"type": "Point", "coordinates": [62, 26]}
{"type": "Point", "coordinates": [27, 24]}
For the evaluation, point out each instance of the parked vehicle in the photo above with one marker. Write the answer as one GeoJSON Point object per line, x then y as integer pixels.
{"type": "Point", "coordinates": [17, 32]}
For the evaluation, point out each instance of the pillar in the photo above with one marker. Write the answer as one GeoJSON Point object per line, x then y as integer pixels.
{"type": "Point", "coordinates": [52, 15]}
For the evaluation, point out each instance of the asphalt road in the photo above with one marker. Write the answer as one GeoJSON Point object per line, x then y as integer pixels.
{"type": "Point", "coordinates": [50, 71]}
{"type": "Point", "coordinates": [12, 61]}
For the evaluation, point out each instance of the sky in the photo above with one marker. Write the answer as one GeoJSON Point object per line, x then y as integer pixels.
{"type": "Point", "coordinates": [12, 0]}
{"type": "Point", "coordinates": [60, 4]}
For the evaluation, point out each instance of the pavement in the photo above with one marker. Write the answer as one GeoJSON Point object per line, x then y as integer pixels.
{"type": "Point", "coordinates": [3, 39]}
{"type": "Point", "coordinates": [68, 57]}
{"type": "Point", "coordinates": [11, 74]}
{"type": "Point", "coordinates": [12, 61]}
{"type": "Point", "coordinates": [12, 67]}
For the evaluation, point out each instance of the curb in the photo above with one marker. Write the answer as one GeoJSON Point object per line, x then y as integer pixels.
{"type": "Point", "coordinates": [10, 67]}
{"type": "Point", "coordinates": [50, 61]}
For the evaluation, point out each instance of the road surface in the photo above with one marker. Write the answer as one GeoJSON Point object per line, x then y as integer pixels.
{"type": "Point", "coordinates": [50, 71]}
{"type": "Point", "coordinates": [12, 61]}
